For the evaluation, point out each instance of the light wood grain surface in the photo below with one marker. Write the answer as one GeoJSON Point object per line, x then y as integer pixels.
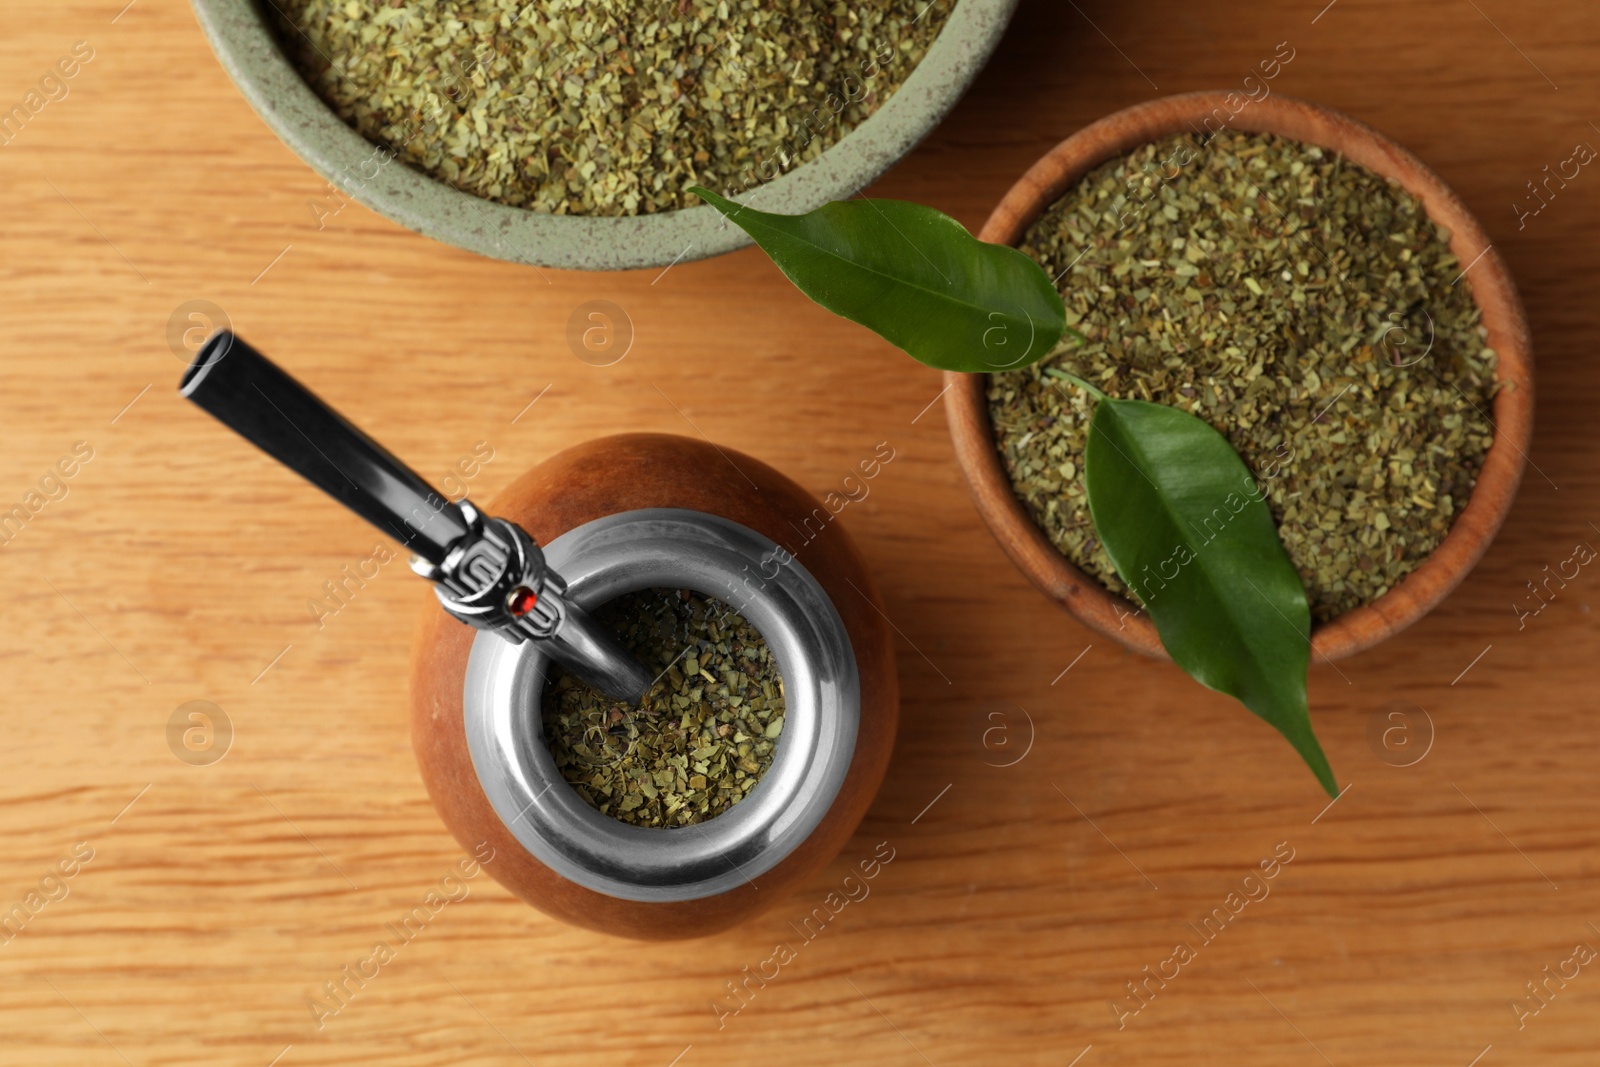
{"type": "Point", "coordinates": [1021, 899]}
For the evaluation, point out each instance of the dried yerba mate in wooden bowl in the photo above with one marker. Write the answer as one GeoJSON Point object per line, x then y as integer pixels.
{"type": "Point", "coordinates": [1309, 289]}
{"type": "Point", "coordinates": [1306, 307]}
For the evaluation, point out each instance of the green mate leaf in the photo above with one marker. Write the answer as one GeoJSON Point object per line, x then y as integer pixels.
{"type": "Point", "coordinates": [916, 277]}
{"type": "Point", "coordinates": [1185, 524]}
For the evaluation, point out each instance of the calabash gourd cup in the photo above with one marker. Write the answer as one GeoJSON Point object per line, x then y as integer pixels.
{"type": "Point", "coordinates": [645, 510]}
{"type": "Point", "coordinates": [518, 584]}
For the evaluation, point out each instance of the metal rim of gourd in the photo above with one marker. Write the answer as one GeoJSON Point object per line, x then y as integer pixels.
{"type": "Point", "coordinates": [674, 548]}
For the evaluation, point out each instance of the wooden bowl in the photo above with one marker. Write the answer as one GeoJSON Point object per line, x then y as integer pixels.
{"type": "Point", "coordinates": [623, 473]}
{"type": "Point", "coordinates": [1115, 135]}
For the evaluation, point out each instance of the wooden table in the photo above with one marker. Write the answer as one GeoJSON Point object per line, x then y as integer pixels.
{"type": "Point", "coordinates": [1021, 899]}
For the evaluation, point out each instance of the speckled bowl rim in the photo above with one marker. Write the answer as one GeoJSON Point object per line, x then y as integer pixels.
{"type": "Point", "coordinates": [1474, 529]}
{"type": "Point", "coordinates": [249, 52]}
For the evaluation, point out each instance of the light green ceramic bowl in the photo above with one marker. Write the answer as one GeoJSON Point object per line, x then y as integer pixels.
{"type": "Point", "coordinates": [250, 53]}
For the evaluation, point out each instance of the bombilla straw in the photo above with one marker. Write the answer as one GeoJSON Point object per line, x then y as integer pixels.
{"type": "Point", "coordinates": [487, 572]}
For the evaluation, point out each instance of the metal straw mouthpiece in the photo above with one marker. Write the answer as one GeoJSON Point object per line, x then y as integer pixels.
{"type": "Point", "coordinates": [495, 578]}
{"type": "Point", "coordinates": [488, 572]}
